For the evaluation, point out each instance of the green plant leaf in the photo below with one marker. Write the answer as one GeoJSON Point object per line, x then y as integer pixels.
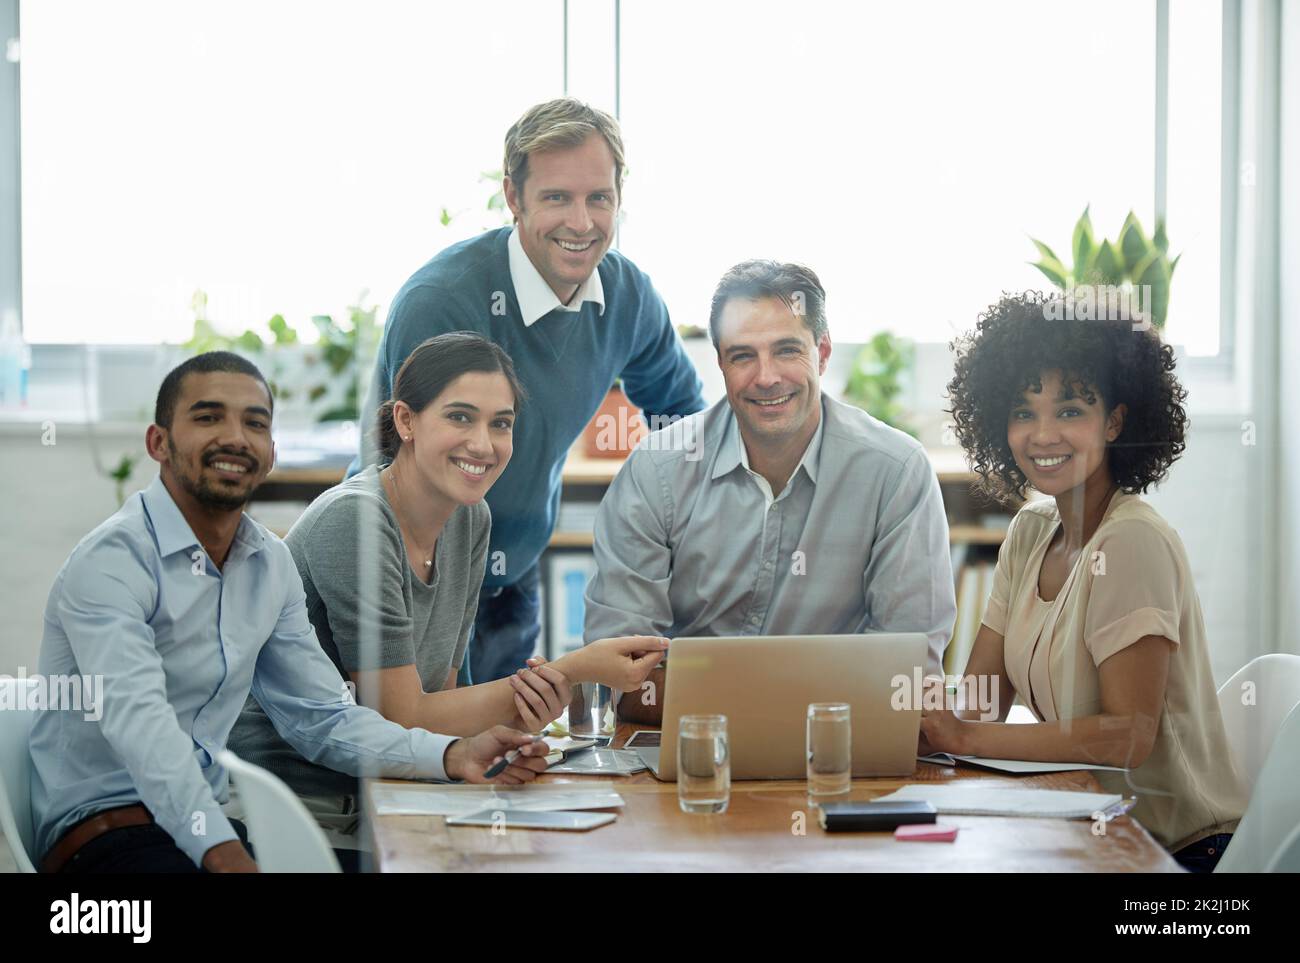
{"type": "Point", "coordinates": [1082, 244]}
{"type": "Point", "coordinates": [329, 331]}
{"type": "Point", "coordinates": [338, 357]}
{"type": "Point", "coordinates": [1159, 239]}
{"type": "Point", "coordinates": [1173, 264]}
{"type": "Point", "coordinates": [444, 217]}
{"type": "Point", "coordinates": [1153, 273]}
{"type": "Point", "coordinates": [280, 328]}
{"type": "Point", "coordinates": [1053, 271]}
{"type": "Point", "coordinates": [1133, 244]}
{"type": "Point", "coordinates": [340, 413]}
{"type": "Point", "coordinates": [1108, 267]}
{"type": "Point", "coordinates": [1047, 253]}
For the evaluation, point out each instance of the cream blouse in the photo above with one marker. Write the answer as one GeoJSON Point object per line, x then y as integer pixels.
{"type": "Point", "coordinates": [1131, 580]}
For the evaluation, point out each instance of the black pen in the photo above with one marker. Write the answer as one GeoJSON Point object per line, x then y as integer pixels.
{"type": "Point", "coordinates": [498, 767]}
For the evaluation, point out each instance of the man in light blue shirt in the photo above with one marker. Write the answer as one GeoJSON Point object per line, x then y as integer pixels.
{"type": "Point", "coordinates": [182, 605]}
{"type": "Point", "coordinates": [778, 511]}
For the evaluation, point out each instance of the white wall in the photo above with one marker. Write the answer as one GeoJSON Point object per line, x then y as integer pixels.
{"type": "Point", "coordinates": [51, 497]}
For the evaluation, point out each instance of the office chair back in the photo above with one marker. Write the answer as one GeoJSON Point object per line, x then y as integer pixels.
{"type": "Point", "coordinates": [16, 771]}
{"type": "Point", "coordinates": [1268, 828]}
{"type": "Point", "coordinates": [1253, 703]}
{"type": "Point", "coordinates": [284, 836]}
{"type": "Point", "coordinates": [1287, 859]}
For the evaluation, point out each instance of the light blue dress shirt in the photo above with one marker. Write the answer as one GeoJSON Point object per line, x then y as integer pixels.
{"type": "Point", "coordinates": [179, 644]}
{"type": "Point", "coordinates": [690, 542]}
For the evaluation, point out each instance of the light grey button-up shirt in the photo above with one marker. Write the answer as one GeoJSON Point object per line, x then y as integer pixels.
{"type": "Point", "coordinates": [688, 544]}
{"type": "Point", "coordinates": [179, 645]}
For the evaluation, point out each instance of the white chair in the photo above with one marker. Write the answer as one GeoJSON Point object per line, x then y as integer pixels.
{"type": "Point", "coordinates": [1252, 727]}
{"type": "Point", "coordinates": [1287, 859]}
{"type": "Point", "coordinates": [284, 836]}
{"type": "Point", "coordinates": [16, 771]}
{"type": "Point", "coordinates": [1268, 828]}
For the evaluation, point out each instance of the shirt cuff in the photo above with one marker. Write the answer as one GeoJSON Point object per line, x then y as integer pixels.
{"type": "Point", "coordinates": [196, 836]}
{"type": "Point", "coordinates": [995, 617]}
{"type": "Point", "coordinates": [1124, 631]}
{"type": "Point", "coordinates": [430, 748]}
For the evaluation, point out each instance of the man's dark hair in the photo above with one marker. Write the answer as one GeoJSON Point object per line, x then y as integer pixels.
{"type": "Point", "coordinates": [794, 285]}
{"type": "Point", "coordinates": [206, 363]}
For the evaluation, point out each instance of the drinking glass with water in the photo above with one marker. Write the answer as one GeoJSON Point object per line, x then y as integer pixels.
{"type": "Point", "coordinates": [830, 752]}
{"type": "Point", "coordinates": [592, 712]}
{"type": "Point", "coordinates": [703, 764]}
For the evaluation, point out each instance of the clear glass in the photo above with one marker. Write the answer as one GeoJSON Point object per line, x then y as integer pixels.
{"type": "Point", "coordinates": [703, 764]}
{"type": "Point", "coordinates": [592, 712]}
{"type": "Point", "coordinates": [830, 752]}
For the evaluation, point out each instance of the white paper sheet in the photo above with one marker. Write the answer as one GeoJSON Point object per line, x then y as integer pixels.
{"type": "Point", "coordinates": [1019, 766]}
{"type": "Point", "coordinates": [419, 799]}
{"type": "Point", "coordinates": [988, 801]}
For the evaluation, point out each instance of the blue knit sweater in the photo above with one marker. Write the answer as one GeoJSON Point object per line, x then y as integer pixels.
{"type": "Point", "coordinates": [566, 362]}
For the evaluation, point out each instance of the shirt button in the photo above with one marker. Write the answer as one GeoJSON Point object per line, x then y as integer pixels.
{"type": "Point", "coordinates": [754, 620]}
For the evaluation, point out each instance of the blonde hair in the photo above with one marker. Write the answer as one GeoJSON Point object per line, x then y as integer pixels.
{"type": "Point", "coordinates": [564, 122]}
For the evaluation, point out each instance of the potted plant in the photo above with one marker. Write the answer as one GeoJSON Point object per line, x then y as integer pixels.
{"type": "Point", "coordinates": [1134, 264]}
{"type": "Point", "coordinates": [322, 381]}
{"type": "Point", "coordinates": [616, 427]}
{"type": "Point", "coordinates": [875, 382]}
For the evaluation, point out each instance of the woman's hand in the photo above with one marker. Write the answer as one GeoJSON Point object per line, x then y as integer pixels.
{"type": "Point", "coordinates": [542, 693]}
{"type": "Point", "coordinates": [942, 730]}
{"type": "Point", "coordinates": [621, 663]}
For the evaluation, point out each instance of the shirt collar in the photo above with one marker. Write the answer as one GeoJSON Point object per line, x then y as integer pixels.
{"type": "Point", "coordinates": [732, 454]}
{"type": "Point", "coordinates": [173, 532]}
{"type": "Point", "coordinates": [535, 297]}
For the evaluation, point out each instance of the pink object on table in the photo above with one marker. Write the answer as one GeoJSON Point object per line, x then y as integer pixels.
{"type": "Point", "coordinates": [926, 833]}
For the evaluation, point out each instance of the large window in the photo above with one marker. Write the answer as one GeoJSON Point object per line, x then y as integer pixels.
{"type": "Point", "coordinates": [279, 156]}
{"type": "Point", "coordinates": [282, 157]}
{"type": "Point", "coordinates": [908, 151]}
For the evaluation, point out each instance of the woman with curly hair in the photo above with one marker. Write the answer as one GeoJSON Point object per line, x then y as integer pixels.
{"type": "Point", "coordinates": [1093, 620]}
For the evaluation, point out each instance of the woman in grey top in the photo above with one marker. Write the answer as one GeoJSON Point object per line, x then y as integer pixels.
{"type": "Point", "coordinates": [392, 560]}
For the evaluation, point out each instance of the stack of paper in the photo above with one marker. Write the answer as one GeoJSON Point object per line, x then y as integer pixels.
{"type": "Point", "coordinates": [1018, 766]}
{"type": "Point", "coordinates": [986, 801]}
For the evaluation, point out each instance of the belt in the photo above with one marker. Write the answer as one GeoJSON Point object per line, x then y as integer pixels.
{"type": "Point", "coordinates": [92, 827]}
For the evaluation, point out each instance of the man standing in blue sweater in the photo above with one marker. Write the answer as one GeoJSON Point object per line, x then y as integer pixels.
{"type": "Point", "coordinates": [573, 315]}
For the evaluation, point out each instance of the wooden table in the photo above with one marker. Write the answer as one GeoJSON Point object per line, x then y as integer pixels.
{"type": "Point", "coordinates": [757, 834]}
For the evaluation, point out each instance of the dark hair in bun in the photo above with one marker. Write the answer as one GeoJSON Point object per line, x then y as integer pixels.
{"type": "Point", "coordinates": [428, 370]}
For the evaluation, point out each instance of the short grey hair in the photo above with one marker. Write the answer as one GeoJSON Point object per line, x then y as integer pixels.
{"type": "Point", "coordinates": [794, 285]}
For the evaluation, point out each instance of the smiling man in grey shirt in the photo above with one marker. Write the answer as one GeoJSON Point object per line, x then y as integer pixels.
{"type": "Point", "coordinates": [779, 510]}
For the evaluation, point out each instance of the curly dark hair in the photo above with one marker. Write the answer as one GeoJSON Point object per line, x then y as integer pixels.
{"type": "Point", "coordinates": [1015, 341]}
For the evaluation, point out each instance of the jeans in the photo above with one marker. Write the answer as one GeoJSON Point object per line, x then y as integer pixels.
{"type": "Point", "coordinates": [506, 628]}
{"type": "Point", "coordinates": [1204, 854]}
{"type": "Point", "coordinates": [138, 849]}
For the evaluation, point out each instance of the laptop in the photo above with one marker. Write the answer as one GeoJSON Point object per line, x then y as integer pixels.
{"type": "Point", "coordinates": [763, 685]}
